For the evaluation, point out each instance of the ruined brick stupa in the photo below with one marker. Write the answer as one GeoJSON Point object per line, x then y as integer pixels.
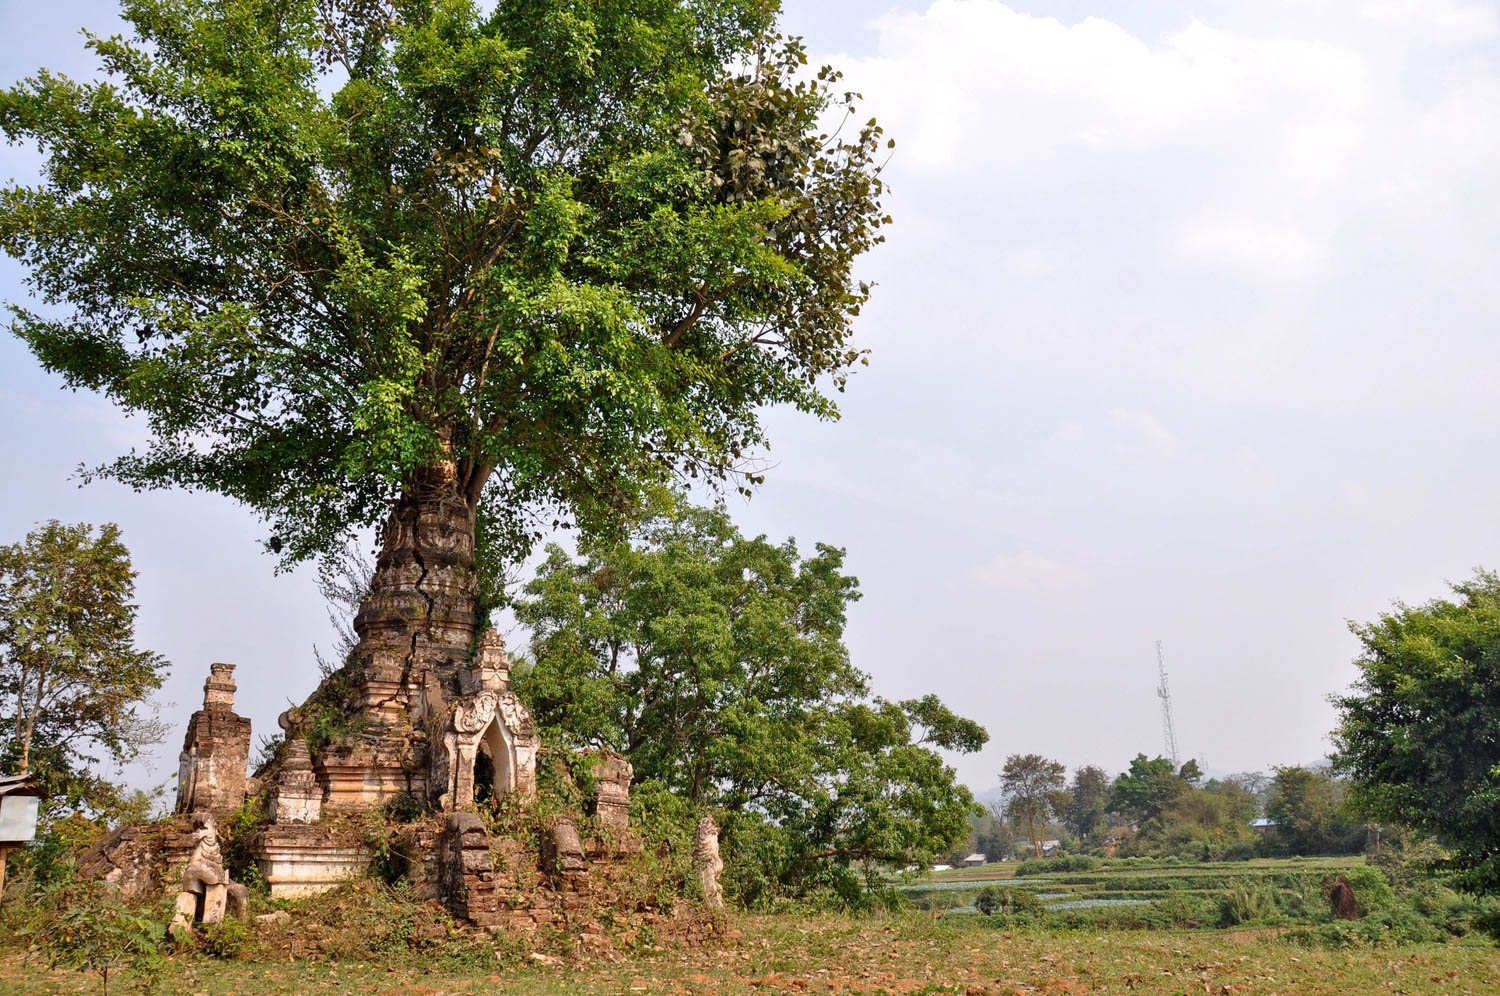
{"type": "Point", "coordinates": [428, 712]}
{"type": "Point", "coordinates": [427, 701]}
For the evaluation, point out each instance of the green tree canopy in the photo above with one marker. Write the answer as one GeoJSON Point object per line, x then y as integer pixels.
{"type": "Point", "coordinates": [1145, 791]}
{"type": "Point", "coordinates": [560, 250]}
{"type": "Point", "coordinates": [1088, 801]}
{"type": "Point", "coordinates": [1034, 793]}
{"type": "Point", "coordinates": [1419, 733]}
{"type": "Point", "coordinates": [1308, 807]}
{"type": "Point", "coordinates": [73, 685]}
{"type": "Point", "coordinates": [716, 663]}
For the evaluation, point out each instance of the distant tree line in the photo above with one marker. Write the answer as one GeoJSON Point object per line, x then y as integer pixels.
{"type": "Point", "coordinates": [1157, 809]}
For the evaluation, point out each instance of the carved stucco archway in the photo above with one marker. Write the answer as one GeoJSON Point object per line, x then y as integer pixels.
{"type": "Point", "coordinates": [498, 721]}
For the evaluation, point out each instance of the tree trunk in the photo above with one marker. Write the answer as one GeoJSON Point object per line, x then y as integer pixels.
{"type": "Point", "coordinates": [41, 691]}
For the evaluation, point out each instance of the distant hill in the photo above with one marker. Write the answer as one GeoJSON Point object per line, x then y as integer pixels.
{"type": "Point", "coordinates": [987, 796]}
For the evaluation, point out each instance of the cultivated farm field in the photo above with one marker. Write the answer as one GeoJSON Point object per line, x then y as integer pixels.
{"type": "Point", "coordinates": [1187, 893]}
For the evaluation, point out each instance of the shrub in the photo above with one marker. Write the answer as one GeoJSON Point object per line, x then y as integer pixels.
{"type": "Point", "coordinates": [94, 932]}
{"type": "Point", "coordinates": [1247, 901]}
{"type": "Point", "coordinates": [235, 837]}
{"type": "Point", "coordinates": [1408, 858]}
{"type": "Point", "coordinates": [1452, 912]}
{"type": "Point", "coordinates": [1371, 888]}
{"type": "Point", "coordinates": [1164, 914]}
{"type": "Point", "coordinates": [367, 921]}
{"type": "Point", "coordinates": [1396, 924]}
{"type": "Point", "coordinates": [1064, 863]}
{"type": "Point", "coordinates": [1007, 900]}
{"type": "Point", "coordinates": [384, 836]}
{"type": "Point", "coordinates": [226, 939]}
{"type": "Point", "coordinates": [1178, 910]}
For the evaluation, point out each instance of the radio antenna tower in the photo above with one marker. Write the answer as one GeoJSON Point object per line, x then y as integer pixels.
{"type": "Point", "coordinates": [1165, 694]}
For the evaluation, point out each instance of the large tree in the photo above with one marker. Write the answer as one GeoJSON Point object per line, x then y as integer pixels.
{"type": "Point", "coordinates": [1143, 793]}
{"type": "Point", "coordinates": [716, 663]}
{"type": "Point", "coordinates": [1088, 801]}
{"type": "Point", "coordinates": [1311, 818]}
{"type": "Point", "coordinates": [1034, 793]}
{"type": "Point", "coordinates": [74, 688]}
{"type": "Point", "coordinates": [1419, 734]}
{"type": "Point", "coordinates": [439, 262]}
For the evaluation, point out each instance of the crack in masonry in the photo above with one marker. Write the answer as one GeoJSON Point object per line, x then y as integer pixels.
{"type": "Point", "coordinates": [417, 632]}
{"type": "Point", "coordinates": [416, 554]}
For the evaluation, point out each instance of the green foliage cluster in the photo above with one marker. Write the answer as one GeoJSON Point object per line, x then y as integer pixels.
{"type": "Point", "coordinates": [716, 664]}
{"type": "Point", "coordinates": [1087, 806]}
{"type": "Point", "coordinates": [666, 822]}
{"type": "Point", "coordinates": [1247, 901]}
{"type": "Point", "coordinates": [1176, 912]}
{"type": "Point", "coordinates": [387, 835]}
{"type": "Point", "coordinates": [573, 247]}
{"type": "Point", "coordinates": [235, 837]}
{"type": "Point", "coordinates": [1419, 734]}
{"type": "Point", "coordinates": [372, 922]}
{"type": "Point", "coordinates": [1063, 863]}
{"type": "Point", "coordinates": [227, 939]}
{"type": "Point", "coordinates": [74, 689]}
{"type": "Point", "coordinates": [325, 719]}
{"type": "Point", "coordinates": [1311, 814]}
{"type": "Point", "coordinates": [87, 928]}
{"type": "Point", "coordinates": [1007, 901]}
{"type": "Point", "coordinates": [1407, 858]}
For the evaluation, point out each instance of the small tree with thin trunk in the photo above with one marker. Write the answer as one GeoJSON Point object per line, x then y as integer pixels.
{"type": "Point", "coordinates": [72, 682]}
{"type": "Point", "coordinates": [1034, 791]}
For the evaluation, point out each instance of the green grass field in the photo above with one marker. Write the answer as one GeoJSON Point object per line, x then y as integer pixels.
{"type": "Point", "coordinates": [1082, 933]}
{"type": "Point", "coordinates": [901, 953]}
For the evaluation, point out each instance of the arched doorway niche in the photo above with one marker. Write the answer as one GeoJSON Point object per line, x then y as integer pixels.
{"type": "Point", "coordinates": [497, 726]}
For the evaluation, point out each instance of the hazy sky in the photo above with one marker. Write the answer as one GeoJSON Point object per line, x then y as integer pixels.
{"type": "Point", "coordinates": [1184, 332]}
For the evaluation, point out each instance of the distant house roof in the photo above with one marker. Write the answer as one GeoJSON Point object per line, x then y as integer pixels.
{"type": "Point", "coordinates": [976, 857]}
{"type": "Point", "coordinates": [1262, 823]}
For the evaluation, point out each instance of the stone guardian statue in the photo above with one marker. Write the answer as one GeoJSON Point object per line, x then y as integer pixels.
{"type": "Point", "coordinates": [207, 892]}
{"type": "Point", "coordinates": [706, 859]}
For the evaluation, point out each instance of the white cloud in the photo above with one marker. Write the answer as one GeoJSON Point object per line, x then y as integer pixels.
{"type": "Point", "coordinates": [952, 76]}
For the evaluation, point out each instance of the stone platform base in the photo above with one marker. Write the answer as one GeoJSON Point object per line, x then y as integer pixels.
{"type": "Point", "coordinates": [304, 860]}
{"type": "Point", "coordinates": [141, 861]}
